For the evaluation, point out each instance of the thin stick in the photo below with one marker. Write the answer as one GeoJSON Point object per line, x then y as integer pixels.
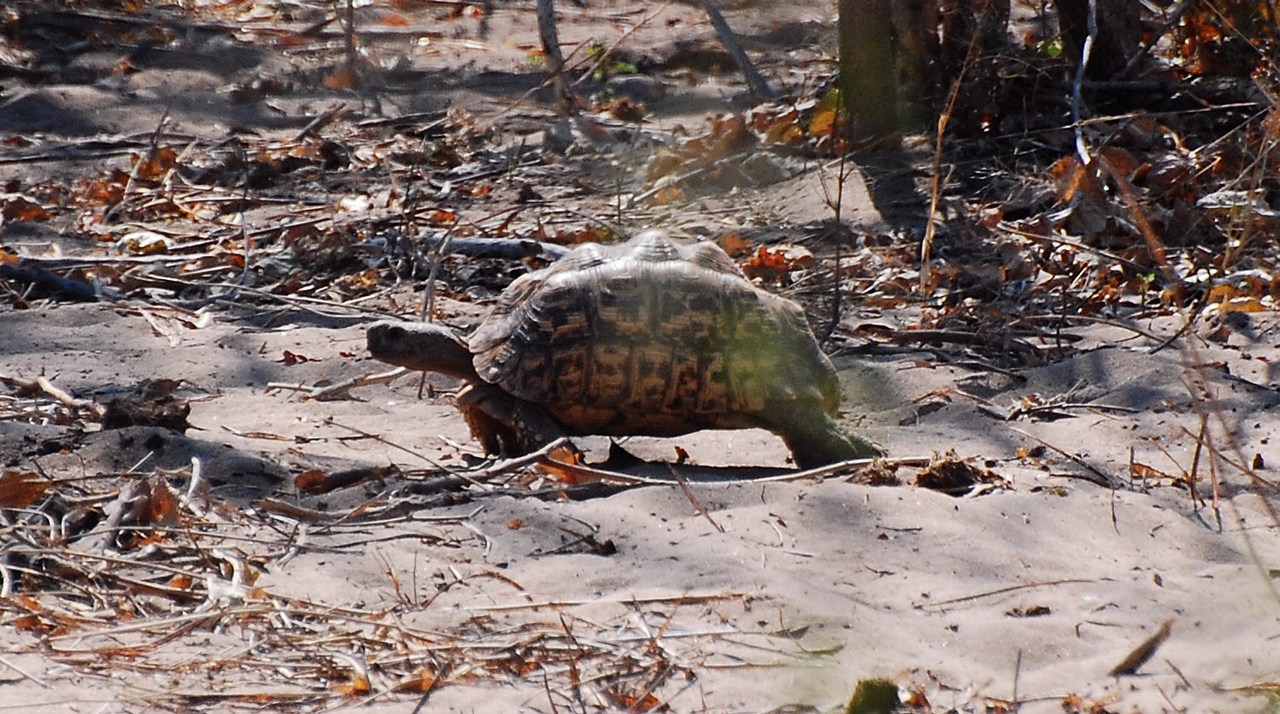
{"type": "Point", "coordinates": [688, 493]}
{"type": "Point", "coordinates": [1082, 149]}
{"type": "Point", "coordinates": [936, 182]}
{"type": "Point", "coordinates": [1103, 479]}
{"type": "Point", "coordinates": [1000, 591]}
{"type": "Point", "coordinates": [756, 82]}
{"type": "Point", "coordinates": [24, 673]}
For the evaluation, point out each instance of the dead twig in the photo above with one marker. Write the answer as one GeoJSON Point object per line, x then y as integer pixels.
{"type": "Point", "coordinates": [1103, 479]}
{"type": "Point", "coordinates": [936, 181]}
{"type": "Point", "coordinates": [340, 390]}
{"type": "Point", "coordinates": [1143, 652]}
{"type": "Point", "coordinates": [941, 604]}
{"type": "Point", "coordinates": [756, 82]}
{"type": "Point", "coordinates": [688, 493]}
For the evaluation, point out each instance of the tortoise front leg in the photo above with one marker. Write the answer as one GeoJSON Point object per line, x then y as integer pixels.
{"type": "Point", "coordinates": [504, 424]}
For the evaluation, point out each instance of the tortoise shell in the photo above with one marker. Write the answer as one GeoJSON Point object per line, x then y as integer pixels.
{"type": "Point", "coordinates": [652, 337]}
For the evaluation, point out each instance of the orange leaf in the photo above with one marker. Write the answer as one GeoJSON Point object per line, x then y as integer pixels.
{"type": "Point", "coordinates": [310, 481]}
{"type": "Point", "coordinates": [418, 683]}
{"type": "Point", "coordinates": [31, 623]}
{"type": "Point", "coordinates": [1068, 172]}
{"type": "Point", "coordinates": [775, 263]}
{"type": "Point", "coordinates": [644, 703]}
{"type": "Point", "coordinates": [358, 686]}
{"type": "Point", "coordinates": [107, 190]}
{"type": "Point", "coordinates": [16, 207]}
{"type": "Point", "coordinates": [1121, 160]}
{"type": "Point", "coordinates": [1141, 470]}
{"type": "Point", "coordinates": [344, 77]}
{"type": "Point", "coordinates": [583, 235]}
{"type": "Point", "coordinates": [19, 489]}
{"type": "Point", "coordinates": [162, 507]}
{"type": "Point", "coordinates": [734, 244]}
{"type": "Point", "coordinates": [626, 110]}
{"type": "Point", "coordinates": [565, 455]}
{"type": "Point", "coordinates": [559, 463]}
{"type": "Point", "coordinates": [159, 163]}
{"type": "Point", "coordinates": [668, 194]}
{"type": "Point", "coordinates": [784, 134]}
{"type": "Point", "coordinates": [1242, 305]}
{"type": "Point", "coordinates": [441, 216]}
{"type": "Point", "coordinates": [1221, 293]}
{"type": "Point", "coordinates": [823, 122]}
{"type": "Point", "coordinates": [366, 280]}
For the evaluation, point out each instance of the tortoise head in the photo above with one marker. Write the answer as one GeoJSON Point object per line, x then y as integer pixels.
{"type": "Point", "coordinates": [421, 345]}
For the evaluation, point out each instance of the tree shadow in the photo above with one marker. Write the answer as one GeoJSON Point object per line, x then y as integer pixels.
{"type": "Point", "coordinates": [892, 177]}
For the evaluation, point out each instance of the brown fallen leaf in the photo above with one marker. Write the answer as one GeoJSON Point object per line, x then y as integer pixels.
{"type": "Point", "coordinates": [19, 489]}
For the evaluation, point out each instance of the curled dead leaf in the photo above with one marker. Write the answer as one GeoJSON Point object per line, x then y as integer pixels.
{"type": "Point", "coordinates": [17, 207]}
{"type": "Point", "coordinates": [734, 244]}
{"type": "Point", "coordinates": [159, 162]}
{"type": "Point", "coordinates": [344, 77]}
{"type": "Point", "coordinates": [775, 263]}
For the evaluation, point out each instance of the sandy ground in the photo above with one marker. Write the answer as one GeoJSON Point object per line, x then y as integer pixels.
{"type": "Point", "coordinates": [744, 590]}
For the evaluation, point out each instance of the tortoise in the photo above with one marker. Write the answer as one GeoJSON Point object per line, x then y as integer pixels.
{"type": "Point", "coordinates": [649, 337]}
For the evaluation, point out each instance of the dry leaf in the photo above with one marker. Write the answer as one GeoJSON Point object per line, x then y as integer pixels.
{"type": "Point", "coordinates": [441, 217]}
{"type": "Point", "coordinates": [1141, 470]}
{"type": "Point", "coordinates": [774, 263]}
{"type": "Point", "coordinates": [344, 77]}
{"type": "Point", "coordinates": [157, 164]}
{"type": "Point", "coordinates": [626, 110]}
{"type": "Point", "coordinates": [311, 481]}
{"type": "Point", "coordinates": [16, 207]}
{"type": "Point", "coordinates": [558, 465]}
{"type": "Point", "coordinates": [422, 681]}
{"type": "Point", "coordinates": [19, 489]}
{"type": "Point", "coordinates": [162, 506]}
{"type": "Point", "coordinates": [734, 244]}
{"type": "Point", "coordinates": [358, 686]}
{"type": "Point", "coordinates": [1121, 160]}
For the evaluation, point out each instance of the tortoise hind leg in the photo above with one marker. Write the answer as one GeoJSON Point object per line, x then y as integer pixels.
{"type": "Point", "coordinates": [815, 440]}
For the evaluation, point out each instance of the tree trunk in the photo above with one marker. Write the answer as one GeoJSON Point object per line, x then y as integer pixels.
{"type": "Point", "coordinates": [868, 86]}
{"type": "Point", "coordinates": [550, 37]}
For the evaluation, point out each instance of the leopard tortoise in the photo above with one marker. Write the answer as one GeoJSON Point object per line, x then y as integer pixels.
{"type": "Point", "coordinates": [650, 337]}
